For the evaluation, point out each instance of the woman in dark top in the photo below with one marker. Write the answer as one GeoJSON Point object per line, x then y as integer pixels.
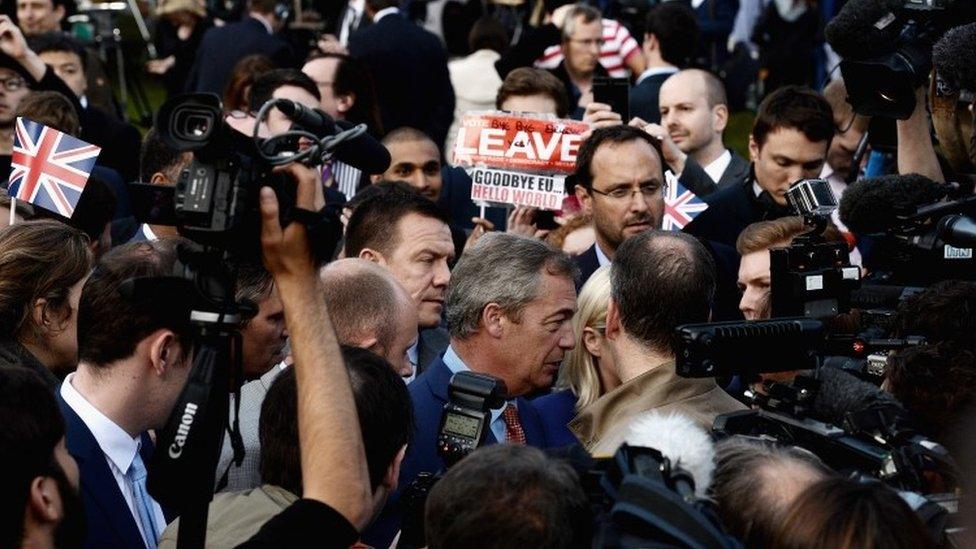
{"type": "Point", "coordinates": [43, 265]}
{"type": "Point", "coordinates": [178, 34]}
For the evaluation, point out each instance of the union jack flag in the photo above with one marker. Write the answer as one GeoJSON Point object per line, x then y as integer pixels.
{"type": "Point", "coordinates": [680, 206]}
{"type": "Point", "coordinates": [49, 168]}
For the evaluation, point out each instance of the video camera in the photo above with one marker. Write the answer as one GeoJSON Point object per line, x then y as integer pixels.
{"type": "Point", "coordinates": [215, 205]}
{"type": "Point", "coordinates": [887, 49]}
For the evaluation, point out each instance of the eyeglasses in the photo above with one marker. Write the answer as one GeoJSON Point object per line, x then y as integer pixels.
{"type": "Point", "coordinates": [590, 42]}
{"type": "Point", "coordinates": [626, 193]}
{"type": "Point", "coordinates": [12, 84]}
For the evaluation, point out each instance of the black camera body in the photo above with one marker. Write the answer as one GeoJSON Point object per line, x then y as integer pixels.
{"type": "Point", "coordinates": [216, 198]}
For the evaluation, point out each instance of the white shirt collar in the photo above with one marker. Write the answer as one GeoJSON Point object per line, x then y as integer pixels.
{"type": "Point", "coordinates": [717, 167]}
{"type": "Point", "coordinates": [115, 443]}
{"type": "Point", "coordinates": [756, 188]}
{"type": "Point", "coordinates": [384, 12]}
{"type": "Point", "coordinates": [655, 70]}
{"type": "Point", "coordinates": [601, 257]}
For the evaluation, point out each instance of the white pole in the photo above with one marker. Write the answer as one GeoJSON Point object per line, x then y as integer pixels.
{"type": "Point", "coordinates": [13, 209]}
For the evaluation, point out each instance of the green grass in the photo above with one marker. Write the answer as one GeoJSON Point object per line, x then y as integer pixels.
{"type": "Point", "coordinates": [737, 132]}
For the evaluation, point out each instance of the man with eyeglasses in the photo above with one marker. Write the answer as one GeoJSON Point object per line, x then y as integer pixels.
{"type": "Point", "coordinates": [582, 38]}
{"type": "Point", "coordinates": [620, 183]}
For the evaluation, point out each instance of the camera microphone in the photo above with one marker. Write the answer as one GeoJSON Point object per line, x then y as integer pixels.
{"type": "Point", "coordinates": [953, 57]}
{"type": "Point", "coordinates": [876, 205]}
{"type": "Point", "coordinates": [362, 152]}
{"type": "Point", "coordinates": [864, 29]}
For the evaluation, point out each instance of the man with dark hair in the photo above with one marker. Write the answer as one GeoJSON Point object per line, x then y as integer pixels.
{"type": "Point", "coordinates": [385, 418]}
{"type": "Point", "coordinates": [222, 47]}
{"type": "Point", "coordinates": [347, 89]}
{"type": "Point", "coordinates": [135, 355]}
{"type": "Point", "coordinates": [372, 311]}
{"type": "Point", "coordinates": [509, 494]}
{"type": "Point", "coordinates": [532, 90]}
{"type": "Point", "coordinates": [40, 495]}
{"type": "Point", "coordinates": [659, 281]}
{"type": "Point", "coordinates": [410, 236]}
{"type": "Point", "coordinates": [159, 164]}
{"type": "Point", "coordinates": [620, 183]}
{"type": "Point", "coordinates": [789, 142]}
{"type": "Point", "coordinates": [409, 66]}
{"type": "Point", "coordinates": [119, 141]}
{"type": "Point", "coordinates": [415, 159]}
{"type": "Point", "coordinates": [509, 311]}
{"type": "Point", "coordinates": [670, 37]}
{"type": "Point", "coordinates": [694, 113]}
{"type": "Point", "coordinates": [38, 17]}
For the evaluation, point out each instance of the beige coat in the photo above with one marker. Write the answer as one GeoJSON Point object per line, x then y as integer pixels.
{"type": "Point", "coordinates": [602, 426]}
{"type": "Point", "coordinates": [476, 84]}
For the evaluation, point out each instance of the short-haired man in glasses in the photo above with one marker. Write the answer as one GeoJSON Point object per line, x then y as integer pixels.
{"type": "Point", "coordinates": [620, 182]}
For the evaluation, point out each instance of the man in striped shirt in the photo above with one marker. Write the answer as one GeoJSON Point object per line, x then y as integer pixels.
{"type": "Point", "coordinates": [620, 54]}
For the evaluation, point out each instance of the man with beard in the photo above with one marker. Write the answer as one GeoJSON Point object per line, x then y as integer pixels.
{"type": "Point", "coordinates": [415, 159]}
{"type": "Point", "coordinates": [620, 183]}
{"type": "Point", "coordinates": [40, 492]}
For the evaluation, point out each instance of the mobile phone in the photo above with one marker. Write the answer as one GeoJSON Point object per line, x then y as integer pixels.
{"type": "Point", "coordinates": [614, 92]}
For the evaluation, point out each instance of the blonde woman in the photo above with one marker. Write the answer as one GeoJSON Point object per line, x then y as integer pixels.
{"type": "Point", "coordinates": [587, 371]}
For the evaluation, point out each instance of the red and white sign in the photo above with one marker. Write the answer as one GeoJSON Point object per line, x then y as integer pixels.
{"type": "Point", "coordinates": [510, 142]}
{"type": "Point", "coordinates": [544, 192]}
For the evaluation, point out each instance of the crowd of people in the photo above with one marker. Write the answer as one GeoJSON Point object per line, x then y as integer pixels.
{"type": "Point", "coordinates": [346, 361]}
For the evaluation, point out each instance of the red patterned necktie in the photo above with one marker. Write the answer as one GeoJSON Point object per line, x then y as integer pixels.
{"type": "Point", "coordinates": [513, 428]}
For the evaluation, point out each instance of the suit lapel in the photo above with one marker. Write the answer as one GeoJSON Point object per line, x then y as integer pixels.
{"type": "Point", "coordinates": [737, 171]}
{"type": "Point", "coordinates": [98, 485]}
{"type": "Point", "coordinates": [531, 424]}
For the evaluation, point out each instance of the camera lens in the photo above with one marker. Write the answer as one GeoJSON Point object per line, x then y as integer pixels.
{"type": "Point", "coordinates": [193, 124]}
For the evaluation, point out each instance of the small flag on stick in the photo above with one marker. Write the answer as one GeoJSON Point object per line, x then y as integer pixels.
{"type": "Point", "coordinates": [49, 168]}
{"type": "Point", "coordinates": [680, 206]}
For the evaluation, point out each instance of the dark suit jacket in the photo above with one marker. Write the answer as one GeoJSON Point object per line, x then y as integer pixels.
{"type": "Point", "coordinates": [429, 394]}
{"type": "Point", "coordinates": [222, 47]}
{"type": "Point", "coordinates": [109, 521]}
{"type": "Point", "coordinates": [556, 410]}
{"type": "Point", "coordinates": [588, 263]}
{"type": "Point", "coordinates": [644, 98]}
{"type": "Point", "coordinates": [455, 198]}
{"type": "Point", "coordinates": [409, 68]}
{"type": "Point", "coordinates": [431, 344]}
{"type": "Point", "coordinates": [732, 210]}
{"type": "Point", "coordinates": [697, 181]}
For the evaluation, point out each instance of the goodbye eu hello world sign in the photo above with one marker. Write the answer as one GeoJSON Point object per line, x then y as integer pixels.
{"type": "Point", "coordinates": [518, 160]}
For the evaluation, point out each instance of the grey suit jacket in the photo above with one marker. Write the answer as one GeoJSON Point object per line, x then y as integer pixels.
{"type": "Point", "coordinates": [697, 181]}
{"type": "Point", "coordinates": [248, 474]}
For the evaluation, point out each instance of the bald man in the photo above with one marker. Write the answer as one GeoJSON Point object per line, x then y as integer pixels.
{"type": "Point", "coordinates": [694, 113]}
{"type": "Point", "coordinates": [369, 309]}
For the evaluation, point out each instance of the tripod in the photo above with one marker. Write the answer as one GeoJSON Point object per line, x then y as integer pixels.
{"type": "Point", "coordinates": [108, 37]}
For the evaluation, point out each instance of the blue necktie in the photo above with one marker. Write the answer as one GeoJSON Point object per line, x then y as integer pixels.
{"type": "Point", "coordinates": [143, 502]}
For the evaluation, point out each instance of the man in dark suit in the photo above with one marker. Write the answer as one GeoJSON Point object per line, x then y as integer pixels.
{"type": "Point", "coordinates": [620, 183]}
{"type": "Point", "coordinates": [789, 142]}
{"type": "Point", "coordinates": [222, 47]}
{"type": "Point", "coordinates": [509, 311]}
{"type": "Point", "coordinates": [409, 235]}
{"type": "Point", "coordinates": [409, 67]}
{"type": "Point", "coordinates": [694, 114]}
{"type": "Point", "coordinates": [134, 359]}
{"type": "Point", "coordinates": [669, 42]}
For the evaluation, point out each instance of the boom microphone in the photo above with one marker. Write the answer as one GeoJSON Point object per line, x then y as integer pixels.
{"type": "Point", "coordinates": [680, 439]}
{"type": "Point", "coordinates": [953, 57]}
{"type": "Point", "coordinates": [864, 29]}
{"type": "Point", "coordinates": [363, 152]}
{"type": "Point", "coordinates": [841, 393]}
{"type": "Point", "coordinates": [874, 205]}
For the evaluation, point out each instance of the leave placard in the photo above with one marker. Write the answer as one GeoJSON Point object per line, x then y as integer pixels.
{"type": "Point", "coordinates": [520, 144]}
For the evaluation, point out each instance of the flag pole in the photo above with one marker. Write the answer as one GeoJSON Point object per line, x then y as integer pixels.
{"type": "Point", "coordinates": [13, 209]}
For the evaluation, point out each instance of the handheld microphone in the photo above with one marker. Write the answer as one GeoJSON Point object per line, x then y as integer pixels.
{"type": "Point", "coordinates": [363, 152]}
